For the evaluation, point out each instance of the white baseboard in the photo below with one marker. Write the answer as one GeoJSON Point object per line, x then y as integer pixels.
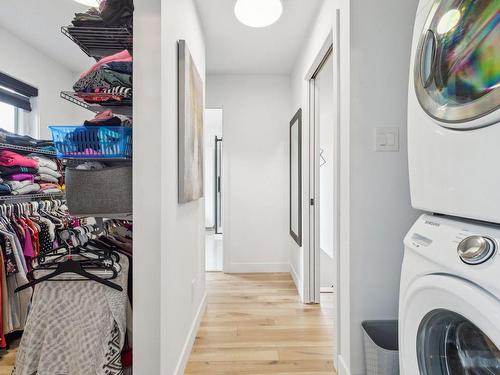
{"type": "Point", "coordinates": [258, 267]}
{"type": "Point", "coordinates": [296, 280]}
{"type": "Point", "coordinates": [343, 369]}
{"type": "Point", "coordinates": [188, 345]}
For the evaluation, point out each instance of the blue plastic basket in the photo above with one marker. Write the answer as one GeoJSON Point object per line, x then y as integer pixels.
{"type": "Point", "coordinates": [92, 142]}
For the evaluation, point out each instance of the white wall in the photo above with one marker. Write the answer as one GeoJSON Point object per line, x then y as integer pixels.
{"type": "Point", "coordinates": [149, 252]}
{"type": "Point", "coordinates": [184, 225]}
{"type": "Point", "coordinates": [380, 200]}
{"type": "Point", "coordinates": [256, 124]}
{"type": "Point", "coordinates": [26, 63]}
{"type": "Point", "coordinates": [168, 238]}
{"type": "Point", "coordinates": [213, 127]}
{"type": "Point", "coordinates": [375, 210]}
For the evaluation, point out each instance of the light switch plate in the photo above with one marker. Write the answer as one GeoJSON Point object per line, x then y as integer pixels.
{"type": "Point", "coordinates": [386, 139]}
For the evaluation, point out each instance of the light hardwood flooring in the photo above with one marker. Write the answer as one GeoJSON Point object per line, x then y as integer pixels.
{"type": "Point", "coordinates": [255, 324]}
{"type": "Point", "coordinates": [8, 360]}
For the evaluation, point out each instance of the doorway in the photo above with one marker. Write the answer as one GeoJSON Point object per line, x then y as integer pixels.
{"type": "Point", "coordinates": [213, 190]}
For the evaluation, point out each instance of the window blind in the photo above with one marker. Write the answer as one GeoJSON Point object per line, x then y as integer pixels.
{"type": "Point", "coordinates": [15, 92]}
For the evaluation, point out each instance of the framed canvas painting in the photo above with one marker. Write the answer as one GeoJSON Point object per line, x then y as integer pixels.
{"type": "Point", "coordinates": [191, 109]}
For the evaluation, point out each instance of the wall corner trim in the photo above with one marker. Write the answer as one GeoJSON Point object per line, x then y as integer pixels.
{"type": "Point", "coordinates": [343, 369]}
{"type": "Point", "coordinates": [297, 281]}
{"type": "Point", "coordinates": [188, 345]}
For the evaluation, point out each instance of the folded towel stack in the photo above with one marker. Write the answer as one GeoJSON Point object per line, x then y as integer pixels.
{"type": "Point", "coordinates": [25, 174]}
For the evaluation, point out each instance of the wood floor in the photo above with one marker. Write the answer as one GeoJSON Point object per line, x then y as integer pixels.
{"type": "Point", "coordinates": [8, 360]}
{"type": "Point", "coordinates": [255, 324]}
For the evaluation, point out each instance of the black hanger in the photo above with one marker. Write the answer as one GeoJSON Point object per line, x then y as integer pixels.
{"type": "Point", "coordinates": [70, 266]}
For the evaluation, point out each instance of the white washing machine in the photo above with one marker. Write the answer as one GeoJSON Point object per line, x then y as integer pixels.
{"type": "Point", "coordinates": [449, 318]}
{"type": "Point", "coordinates": [454, 109]}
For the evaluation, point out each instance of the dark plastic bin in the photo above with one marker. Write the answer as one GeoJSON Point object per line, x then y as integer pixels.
{"type": "Point", "coordinates": [381, 347]}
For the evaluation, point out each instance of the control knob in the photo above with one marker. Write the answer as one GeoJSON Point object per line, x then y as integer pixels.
{"type": "Point", "coordinates": [476, 249]}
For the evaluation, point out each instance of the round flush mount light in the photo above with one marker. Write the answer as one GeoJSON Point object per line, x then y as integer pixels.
{"type": "Point", "coordinates": [90, 3]}
{"type": "Point", "coordinates": [258, 13]}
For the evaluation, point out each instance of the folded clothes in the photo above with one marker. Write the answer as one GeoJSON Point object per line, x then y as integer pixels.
{"type": "Point", "coordinates": [21, 177]}
{"type": "Point", "coordinates": [100, 98]}
{"type": "Point", "coordinates": [48, 171]}
{"type": "Point", "coordinates": [50, 191]}
{"type": "Point", "coordinates": [10, 159]}
{"type": "Point", "coordinates": [117, 12]}
{"type": "Point", "coordinates": [46, 177]}
{"type": "Point", "coordinates": [122, 56]}
{"type": "Point", "coordinates": [7, 171]}
{"type": "Point", "coordinates": [121, 67]}
{"type": "Point", "coordinates": [104, 118]}
{"type": "Point", "coordinates": [43, 161]}
{"type": "Point", "coordinates": [31, 188]}
{"type": "Point", "coordinates": [103, 79]}
{"type": "Point", "coordinates": [16, 185]}
{"type": "Point", "coordinates": [23, 140]}
{"type": "Point", "coordinates": [49, 185]}
{"type": "Point", "coordinates": [5, 189]}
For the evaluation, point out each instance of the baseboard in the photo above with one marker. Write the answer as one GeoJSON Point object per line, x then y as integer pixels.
{"type": "Point", "coordinates": [343, 369]}
{"type": "Point", "coordinates": [188, 345]}
{"type": "Point", "coordinates": [258, 267]}
{"type": "Point", "coordinates": [296, 280]}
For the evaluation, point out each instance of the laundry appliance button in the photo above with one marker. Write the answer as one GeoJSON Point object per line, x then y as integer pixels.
{"type": "Point", "coordinates": [476, 249]}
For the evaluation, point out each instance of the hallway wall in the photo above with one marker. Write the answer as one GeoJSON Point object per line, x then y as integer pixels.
{"type": "Point", "coordinates": [256, 124]}
{"type": "Point", "coordinates": [381, 213]}
{"type": "Point", "coordinates": [169, 242]}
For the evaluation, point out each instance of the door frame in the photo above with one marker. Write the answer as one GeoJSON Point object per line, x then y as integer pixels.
{"type": "Point", "coordinates": [311, 264]}
{"type": "Point", "coordinates": [224, 168]}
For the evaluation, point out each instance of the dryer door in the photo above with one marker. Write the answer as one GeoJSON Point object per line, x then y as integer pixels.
{"type": "Point", "coordinates": [449, 326]}
{"type": "Point", "coordinates": [448, 343]}
{"type": "Point", "coordinates": [457, 67]}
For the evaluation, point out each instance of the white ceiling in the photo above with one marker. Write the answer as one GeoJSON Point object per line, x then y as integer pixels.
{"type": "Point", "coordinates": [39, 23]}
{"type": "Point", "coordinates": [233, 48]}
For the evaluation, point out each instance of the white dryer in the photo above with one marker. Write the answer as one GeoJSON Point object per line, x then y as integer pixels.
{"type": "Point", "coordinates": [449, 317]}
{"type": "Point", "coordinates": [454, 109]}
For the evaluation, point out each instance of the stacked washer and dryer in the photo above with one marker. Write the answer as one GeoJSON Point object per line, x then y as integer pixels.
{"type": "Point", "coordinates": [449, 321]}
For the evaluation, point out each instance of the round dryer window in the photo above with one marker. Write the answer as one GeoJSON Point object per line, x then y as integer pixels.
{"type": "Point", "coordinates": [457, 67]}
{"type": "Point", "coordinates": [449, 344]}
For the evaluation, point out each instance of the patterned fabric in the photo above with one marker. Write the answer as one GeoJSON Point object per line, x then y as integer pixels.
{"type": "Point", "coordinates": [75, 328]}
{"type": "Point", "coordinates": [113, 355]}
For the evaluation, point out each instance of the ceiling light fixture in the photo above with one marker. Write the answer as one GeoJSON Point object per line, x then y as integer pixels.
{"type": "Point", "coordinates": [90, 3]}
{"type": "Point", "coordinates": [258, 13]}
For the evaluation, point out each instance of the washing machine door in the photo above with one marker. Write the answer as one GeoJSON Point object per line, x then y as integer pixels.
{"type": "Point", "coordinates": [457, 67]}
{"type": "Point", "coordinates": [449, 326]}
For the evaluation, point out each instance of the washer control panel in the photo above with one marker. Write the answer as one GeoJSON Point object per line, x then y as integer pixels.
{"type": "Point", "coordinates": [476, 249]}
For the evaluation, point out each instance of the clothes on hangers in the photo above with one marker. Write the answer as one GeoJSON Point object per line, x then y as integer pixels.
{"type": "Point", "coordinates": [93, 336]}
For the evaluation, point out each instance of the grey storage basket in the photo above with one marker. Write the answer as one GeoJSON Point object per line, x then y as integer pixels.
{"type": "Point", "coordinates": [100, 193]}
{"type": "Point", "coordinates": [381, 347]}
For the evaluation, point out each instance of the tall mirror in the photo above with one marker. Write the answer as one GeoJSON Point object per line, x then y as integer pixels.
{"type": "Point", "coordinates": [296, 177]}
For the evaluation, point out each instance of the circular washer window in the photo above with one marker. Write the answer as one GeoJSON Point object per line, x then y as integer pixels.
{"type": "Point", "coordinates": [449, 344]}
{"type": "Point", "coordinates": [457, 67]}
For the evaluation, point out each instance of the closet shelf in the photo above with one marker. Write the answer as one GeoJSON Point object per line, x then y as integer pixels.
{"type": "Point", "coordinates": [119, 108]}
{"type": "Point", "coordinates": [27, 149]}
{"type": "Point", "coordinates": [30, 197]}
{"type": "Point", "coordinates": [98, 42]}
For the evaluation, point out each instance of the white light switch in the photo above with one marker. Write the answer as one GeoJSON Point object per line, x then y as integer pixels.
{"type": "Point", "coordinates": [386, 139]}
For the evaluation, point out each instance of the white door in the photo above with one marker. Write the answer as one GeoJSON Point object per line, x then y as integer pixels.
{"type": "Point", "coordinates": [449, 326]}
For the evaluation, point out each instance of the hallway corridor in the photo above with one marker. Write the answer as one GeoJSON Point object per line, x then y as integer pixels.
{"type": "Point", "coordinates": [255, 324]}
